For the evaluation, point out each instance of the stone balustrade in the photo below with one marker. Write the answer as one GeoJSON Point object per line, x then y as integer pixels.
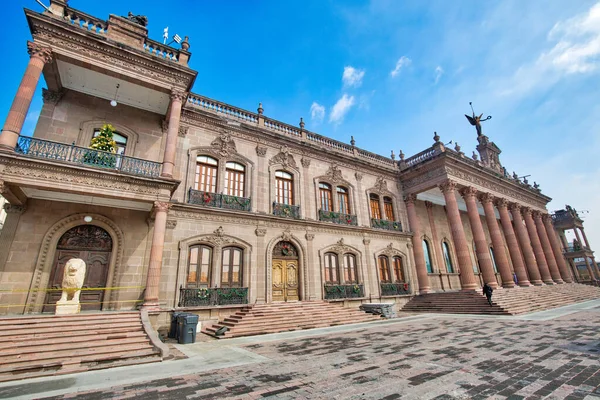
{"type": "Point", "coordinates": [85, 21]}
{"type": "Point", "coordinates": [160, 50]}
{"type": "Point", "coordinates": [419, 157]}
{"type": "Point", "coordinates": [204, 103]}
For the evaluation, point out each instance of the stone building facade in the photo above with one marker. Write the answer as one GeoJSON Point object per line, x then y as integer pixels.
{"type": "Point", "coordinates": [208, 206]}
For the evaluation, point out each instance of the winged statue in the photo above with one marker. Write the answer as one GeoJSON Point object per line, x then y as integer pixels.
{"type": "Point", "coordinates": [476, 120]}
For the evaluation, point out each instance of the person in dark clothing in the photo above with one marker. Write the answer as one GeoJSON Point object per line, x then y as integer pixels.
{"type": "Point", "coordinates": [487, 290]}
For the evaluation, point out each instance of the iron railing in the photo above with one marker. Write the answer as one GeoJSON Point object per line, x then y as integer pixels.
{"type": "Point", "coordinates": [46, 149]}
{"type": "Point", "coordinates": [286, 210]}
{"type": "Point", "coordinates": [385, 224]}
{"type": "Point", "coordinates": [352, 291]}
{"type": "Point", "coordinates": [194, 297]}
{"type": "Point", "coordinates": [573, 249]}
{"type": "Point", "coordinates": [395, 289]}
{"type": "Point", "coordinates": [337, 218]}
{"type": "Point", "coordinates": [208, 199]}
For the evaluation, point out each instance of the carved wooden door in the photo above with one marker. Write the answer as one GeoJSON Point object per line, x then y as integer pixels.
{"type": "Point", "coordinates": [285, 280]}
{"type": "Point", "coordinates": [94, 246]}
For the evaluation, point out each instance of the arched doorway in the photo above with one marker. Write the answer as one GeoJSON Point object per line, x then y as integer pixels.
{"type": "Point", "coordinates": [285, 286]}
{"type": "Point", "coordinates": [94, 246]}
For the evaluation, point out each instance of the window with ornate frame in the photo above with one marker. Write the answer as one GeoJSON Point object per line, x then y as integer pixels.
{"type": "Point", "coordinates": [206, 174]}
{"type": "Point", "coordinates": [427, 255]}
{"type": "Point", "coordinates": [398, 269]}
{"type": "Point", "coordinates": [231, 267]}
{"type": "Point", "coordinates": [234, 179]}
{"type": "Point", "coordinates": [388, 206]}
{"type": "Point", "coordinates": [447, 257]}
{"type": "Point", "coordinates": [119, 139]}
{"type": "Point", "coordinates": [331, 275]}
{"type": "Point", "coordinates": [199, 266]}
{"type": "Point", "coordinates": [350, 270]}
{"type": "Point", "coordinates": [374, 205]}
{"type": "Point", "coordinates": [325, 195]}
{"type": "Point", "coordinates": [284, 187]}
{"type": "Point", "coordinates": [383, 263]}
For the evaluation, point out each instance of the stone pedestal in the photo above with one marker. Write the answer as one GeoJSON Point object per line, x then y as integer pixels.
{"type": "Point", "coordinates": [67, 307]}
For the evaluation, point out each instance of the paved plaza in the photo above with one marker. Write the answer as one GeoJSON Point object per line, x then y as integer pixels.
{"type": "Point", "coordinates": [553, 354]}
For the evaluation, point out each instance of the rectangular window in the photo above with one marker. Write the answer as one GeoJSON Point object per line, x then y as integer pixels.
{"type": "Point", "coordinates": [234, 183]}
{"type": "Point", "coordinates": [384, 269]}
{"type": "Point", "coordinates": [284, 188]}
{"type": "Point", "coordinates": [325, 196]}
{"type": "Point", "coordinates": [199, 266]}
{"type": "Point", "coordinates": [344, 202]}
{"type": "Point", "coordinates": [375, 210]}
{"type": "Point", "coordinates": [389, 209]}
{"type": "Point", "coordinates": [350, 275]}
{"type": "Point", "coordinates": [231, 268]}
{"type": "Point", "coordinates": [331, 268]}
{"type": "Point", "coordinates": [206, 178]}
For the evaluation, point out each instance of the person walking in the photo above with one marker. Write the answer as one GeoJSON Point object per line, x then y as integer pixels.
{"type": "Point", "coordinates": [487, 290]}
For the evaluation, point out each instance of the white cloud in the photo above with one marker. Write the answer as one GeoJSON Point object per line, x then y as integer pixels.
{"type": "Point", "coordinates": [317, 112]}
{"type": "Point", "coordinates": [439, 71]}
{"type": "Point", "coordinates": [339, 110]}
{"type": "Point", "coordinates": [402, 62]}
{"type": "Point", "coordinates": [352, 77]}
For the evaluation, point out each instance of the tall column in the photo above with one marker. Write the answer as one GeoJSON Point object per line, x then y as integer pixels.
{"type": "Point", "coordinates": [589, 267]}
{"type": "Point", "coordinates": [581, 244]}
{"type": "Point", "coordinates": [595, 267]}
{"type": "Point", "coordinates": [587, 244]}
{"type": "Point", "coordinates": [18, 110]}
{"type": "Point", "coordinates": [436, 248]}
{"type": "Point", "coordinates": [558, 255]}
{"type": "Point", "coordinates": [156, 255]}
{"type": "Point", "coordinates": [415, 226]}
{"type": "Point", "coordinates": [467, 277]}
{"type": "Point", "coordinates": [496, 235]}
{"type": "Point", "coordinates": [512, 243]}
{"type": "Point", "coordinates": [481, 247]}
{"type": "Point", "coordinates": [540, 258]}
{"type": "Point", "coordinates": [545, 242]}
{"type": "Point", "coordinates": [168, 165]}
{"type": "Point", "coordinates": [521, 231]}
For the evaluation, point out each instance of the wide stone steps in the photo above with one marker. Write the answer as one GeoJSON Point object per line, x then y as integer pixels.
{"type": "Point", "coordinates": [513, 301]}
{"type": "Point", "coordinates": [54, 345]}
{"type": "Point", "coordinates": [284, 317]}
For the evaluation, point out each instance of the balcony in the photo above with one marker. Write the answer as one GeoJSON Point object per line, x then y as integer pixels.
{"type": "Point", "coordinates": [71, 154]}
{"type": "Point", "coordinates": [337, 218]}
{"type": "Point", "coordinates": [217, 200]}
{"type": "Point", "coordinates": [286, 210]}
{"type": "Point", "coordinates": [385, 224]}
{"type": "Point", "coordinates": [395, 289]}
{"type": "Point", "coordinates": [207, 297]}
{"type": "Point", "coordinates": [340, 292]}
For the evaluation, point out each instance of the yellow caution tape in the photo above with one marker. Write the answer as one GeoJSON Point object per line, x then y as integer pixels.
{"type": "Point", "coordinates": [83, 302]}
{"type": "Point", "coordinates": [60, 290]}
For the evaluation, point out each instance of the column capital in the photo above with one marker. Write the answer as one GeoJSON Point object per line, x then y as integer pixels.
{"type": "Point", "coordinates": [448, 186]}
{"type": "Point", "coordinates": [468, 192]}
{"type": "Point", "coordinates": [485, 198]}
{"type": "Point", "coordinates": [410, 198]}
{"type": "Point", "coordinates": [161, 206]}
{"type": "Point", "coordinates": [14, 209]}
{"type": "Point", "coordinates": [501, 203]}
{"type": "Point", "coordinates": [526, 211]}
{"type": "Point", "coordinates": [546, 217]}
{"type": "Point", "coordinates": [178, 95]}
{"type": "Point", "coordinates": [36, 51]}
{"type": "Point", "coordinates": [514, 207]}
{"type": "Point", "coordinates": [536, 214]}
{"type": "Point", "coordinates": [429, 205]}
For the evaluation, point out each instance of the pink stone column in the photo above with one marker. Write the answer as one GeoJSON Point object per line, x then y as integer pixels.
{"type": "Point", "coordinates": [521, 232]}
{"type": "Point", "coordinates": [156, 255]}
{"type": "Point", "coordinates": [556, 249]}
{"type": "Point", "coordinates": [18, 110]}
{"type": "Point", "coordinates": [534, 237]}
{"type": "Point", "coordinates": [545, 242]}
{"type": "Point", "coordinates": [467, 277]}
{"type": "Point", "coordinates": [415, 226]}
{"type": "Point", "coordinates": [168, 165]}
{"type": "Point", "coordinates": [496, 235]}
{"type": "Point", "coordinates": [481, 248]}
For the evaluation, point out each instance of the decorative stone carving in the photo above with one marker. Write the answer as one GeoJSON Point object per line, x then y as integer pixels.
{"type": "Point", "coordinates": [261, 151]}
{"type": "Point", "coordinates": [217, 238]}
{"type": "Point", "coordinates": [501, 202]}
{"type": "Point", "coordinates": [224, 145]}
{"type": "Point", "coordinates": [447, 186]}
{"type": "Point", "coordinates": [340, 247]}
{"type": "Point", "coordinates": [485, 198]}
{"type": "Point", "coordinates": [52, 96]}
{"type": "Point", "coordinates": [171, 223]}
{"type": "Point", "coordinates": [35, 50]}
{"type": "Point", "coordinates": [164, 125]}
{"type": "Point", "coordinates": [391, 251]}
{"type": "Point", "coordinates": [14, 209]}
{"type": "Point", "coordinates": [260, 232]}
{"type": "Point", "coordinates": [162, 206]}
{"type": "Point", "coordinates": [287, 235]}
{"type": "Point", "coordinates": [284, 158]}
{"type": "Point", "coordinates": [428, 204]}
{"type": "Point", "coordinates": [72, 282]}
{"type": "Point", "coordinates": [309, 236]}
{"type": "Point", "coordinates": [425, 177]}
{"type": "Point", "coordinates": [305, 162]}
{"type": "Point", "coordinates": [366, 242]}
{"type": "Point", "coordinates": [515, 207]}
{"type": "Point", "coordinates": [334, 173]}
{"type": "Point", "coordinates": [178, 95]}
{"type": "Point", "coordinates": [381, 185]}
{"type": "Point", "coordinates": [358, 176]}
{"type": "Point", "coordinates": [468, 191]}
{"type": "Point", "coordinates": [410, 198]}
{"type": "Point", "coordinates": [183, 130]}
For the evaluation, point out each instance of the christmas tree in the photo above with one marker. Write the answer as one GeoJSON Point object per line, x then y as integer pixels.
{"type": "Point", "coordinates": [103, 142]}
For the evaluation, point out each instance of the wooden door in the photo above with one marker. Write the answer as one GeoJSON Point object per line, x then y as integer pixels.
{"type": "Point", "coordinates": [285, 280]}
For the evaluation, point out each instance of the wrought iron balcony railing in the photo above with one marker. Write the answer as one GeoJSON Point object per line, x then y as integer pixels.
{"type": "Point", "coordinates": [286, 210]}
{"type": "Point", "coordinates": [351, 291]}
{"type": "Point", "coordinates": [194, 297]}
{"type": "Point", "coordinates": [208, 199]}
{"type": "Point", "coordinates": [385, 224]}
{"type": "Point", "coordinates": [337, 218]}
{"type": "Point", "coordinates": [574, 249]}
{"type": "Point", "coordinates": [395, 289]}
{"type": "Point", "coordinates": [48, 150]}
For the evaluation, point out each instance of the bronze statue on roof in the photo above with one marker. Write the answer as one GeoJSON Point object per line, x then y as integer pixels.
{"type": "Point", "coordinates": [476, 120]}
{"type": "Point", "coordinates": [137, 19]}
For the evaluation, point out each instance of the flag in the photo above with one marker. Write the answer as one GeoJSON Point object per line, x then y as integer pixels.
{"type": "Point", "coordinates": [177, 38]}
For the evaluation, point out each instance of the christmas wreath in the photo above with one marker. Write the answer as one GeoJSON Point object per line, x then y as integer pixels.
{"type": "Point", "coordinates": [206, 198]}
{"type": "Point", "coordinates": [286, 250]}
{"type": "Point", "coordinates": [406, 286]}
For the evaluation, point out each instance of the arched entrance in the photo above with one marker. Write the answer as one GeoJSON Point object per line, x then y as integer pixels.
{"type": "Point", "coordinates": [285, 286]}
{"type": "Point", "coordinates": [94, 246]}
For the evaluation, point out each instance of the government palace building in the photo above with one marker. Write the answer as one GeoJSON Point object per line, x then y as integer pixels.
{"type": "Point", "coordinates": [206, 207]}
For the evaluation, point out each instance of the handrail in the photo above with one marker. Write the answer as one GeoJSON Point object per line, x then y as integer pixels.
{"type": "Point", "coordinates": [161, 50]}
{"type": "Point", "coordinates": [218, 107]}
{"type": "Point", "coordinates": [325, 141]}
{"type": "Point", "coordinates": [85, 21]}
{"type": "Point", "coordinates": [420, 157]}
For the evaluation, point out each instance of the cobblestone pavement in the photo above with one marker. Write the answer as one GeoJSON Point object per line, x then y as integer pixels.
{"type": "Point", "coordinates": [433, 358]}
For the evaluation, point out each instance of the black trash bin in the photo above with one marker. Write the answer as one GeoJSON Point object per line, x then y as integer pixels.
{"type": "Point", "coordinates": [186, 328]}
{"type": "Point", "coordinates": [173, 330]}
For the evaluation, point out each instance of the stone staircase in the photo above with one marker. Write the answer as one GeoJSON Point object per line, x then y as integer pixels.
{"type": "Point", "coordinates": [514, 301]}
{"type": "Point", "coordinates": [283, 317]}
{"type": "Point", "coordinates": [33, 346]}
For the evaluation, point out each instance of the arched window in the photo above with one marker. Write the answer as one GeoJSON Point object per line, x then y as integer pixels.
{"type": "Point", "coordinates": [325, 196]}
{"type": "Point", "coordinates": [374, 203]}
{"type": "Point", "coordinates": [343, 200]}
{"type": "Point", "coordinates": [384, 269]}
{"type": "Point", "coordinates": [331, 269]}
{"type": "Point", "coordinates": [199, 266]}
{"type": "Point", "coordinates": [389, 208]}
{"type": "Point", "coordinates": [427, 254]}
{"type": "Point", "coordinates": [119, 139]}
{"type": "Point", "coordinates": [398, 269]}
{"type": "Point", "coordinates": [231, 267]}
{"type": "Point", "coordinates": [285, 188]}
{"type": "Point", "coordinates": [350, 275]}
{"type": "Point", "coordinates": [447, 258]}
{"type": "Point", "coordinates": [493, 260]}
{"type": "Point", "coordinates": [234, 179]}
{"type": "Point", "coordinates": [206, 174]}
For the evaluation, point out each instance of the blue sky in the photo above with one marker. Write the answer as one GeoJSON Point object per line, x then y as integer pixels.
{"type": "Point", "coordinates": [390, 73]}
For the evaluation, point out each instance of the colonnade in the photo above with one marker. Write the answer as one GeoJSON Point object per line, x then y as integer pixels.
{"type": "Point", "coordinates": [532, 242]}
